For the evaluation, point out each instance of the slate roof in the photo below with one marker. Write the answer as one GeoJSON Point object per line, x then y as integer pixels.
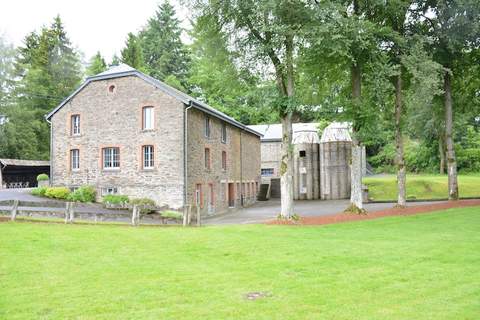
{"type": "Point", "coordinates": [124, 70]}
{"type": "Point", "coordinates": [24, 163]}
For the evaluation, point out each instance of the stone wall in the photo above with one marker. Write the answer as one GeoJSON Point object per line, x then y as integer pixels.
{"type": "Point", "coordinates": [271, 155]}
{"type": "Point", "coordinates": [242, 172]}
{"type": "Point", "coordinates": [114, 119]}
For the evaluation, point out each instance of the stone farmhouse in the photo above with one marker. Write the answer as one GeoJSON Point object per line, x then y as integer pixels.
{"type": "Point", "coordinates": [127, 133]}
{"type": "Point", "coordinates": [321, 163]}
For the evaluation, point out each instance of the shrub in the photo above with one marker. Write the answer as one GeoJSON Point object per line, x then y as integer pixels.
{"type": "Point", "coordinates": [468, 160]}
{"type": "Point", "coordinates": [42, 177]}
{"type": "Point", "coordinates": [115, 199]}
{"type": "Point", "coordinates": [171, 214]}
{"type": "Point", "coordinates": [143, 202]}
{"type": "Point", "coordinates": [57, 193]}
{"type": "Point", "coordinates": [83, 194]}
{"type": "Point", "coordinates": [40, 191]}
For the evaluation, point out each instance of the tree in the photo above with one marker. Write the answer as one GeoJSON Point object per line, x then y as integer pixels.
{"type": "Point", "coordinates": [115, 61]}
{"type": "Point", "coordinates": [132, 53]}
{"type": "Point", "coordinates": [454, 27]}
{"type": "Point", "coordinates": [164, 53]}
{"type": "Point", "coordinates": [7, 56]}
{"type": "Point", "coordinates": [269, 32]}
{"type": "Point", "coordinates": [97, 65]}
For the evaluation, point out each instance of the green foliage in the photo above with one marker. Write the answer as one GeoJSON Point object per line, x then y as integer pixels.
{"type": "Point", "coordinates": [40, 191]}
{"type": "Point", "coordinates": [132, 54]}
{"type": "Point", "coordinates": [42, 177]}
{"type": "Point", "coordinates": [142, 203]}
{"type": "Point", "coordinates": [171, 214]}
{"type": "Point", "coordinates": [97, 65]}
{"type": "Point", "coordinates": [468, 160]}
{"type": "Point", "coordinates": [61, 193]}
{"type": "Point", "coordinates": [83, 194]}
{"type": "Point", "coordinates": [115, 199]}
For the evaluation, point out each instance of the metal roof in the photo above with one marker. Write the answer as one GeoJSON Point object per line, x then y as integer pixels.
{"type": "Point", "coordinates": [24, 163]}
{"type": "Point", "coordinates": [336, 131]}
{"type": "Point", "coordinates": [273, 132]}
{"type": "Point", "coordinates": [124, 70]}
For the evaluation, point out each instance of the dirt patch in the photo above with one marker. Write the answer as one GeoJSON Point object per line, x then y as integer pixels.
{"type": "Point", "coordinates": [346, 217]}
{"type": "Point", "coordinates": [4, 219]}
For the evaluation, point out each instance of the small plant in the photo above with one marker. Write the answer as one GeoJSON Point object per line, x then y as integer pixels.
{"type": "Point", "coordinates": [115, 199]}
{"type": "Point", "coordinates": [42, 177]}
{"type": "Point", "coordinates": [40, 191]}
{"type": "Point", "coordinates": [57, 193]}
{"type": "Point", "coordinates": [144, 202]}
{"type": "Point", "coordinates": [352, 208]}
{"type": "Point", "coordinates": [171, 214]}
{"type": "Point", "coordinates": [83, 194]}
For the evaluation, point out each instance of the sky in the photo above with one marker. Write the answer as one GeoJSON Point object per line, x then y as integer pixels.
{"type": "Point", "coordinates": [92, 25]}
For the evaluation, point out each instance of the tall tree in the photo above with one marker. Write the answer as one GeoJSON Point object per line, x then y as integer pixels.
{"type": "Point", "coordinates": [7, 56]}
{"type": "Point", "coordinates": [164, 53]}
{"type": "Point", "coordinates": [269, 31]}
{"type": "Point", "coordinates": [97, 65]}
{"type": "Point", "coordinates": [454, 26]}
{"type": "Point", "coordinates": [132, 53]}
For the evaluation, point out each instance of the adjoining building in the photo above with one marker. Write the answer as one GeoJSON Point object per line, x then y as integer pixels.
{"type": "Point", "coordinates": [321, 165]}
{"type": "Point", "coordinates": [15, 173]}
{"type": "Point", "coordinates": [125, 132]}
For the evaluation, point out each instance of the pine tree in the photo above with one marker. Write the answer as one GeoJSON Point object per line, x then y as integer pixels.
{"type": "Point", "coordinates": [115, 61]}
{"type": "Point", "coordinates": [132, 53]}
{"type": "Point", "coordinates": [97, 65]}
{"type": "Point", "coordinates": [165, 54]}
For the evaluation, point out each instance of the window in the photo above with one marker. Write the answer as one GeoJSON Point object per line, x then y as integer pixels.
{"type": "Point", "coordinates": [111, 158]}
{"type": "Point", "coordinates": [211, 200]}
{"type": "Point", "coordinates": [207, 126]}
{"type": "Point", "coordinates": [224, 160]}
{"type": "Point", "coordinates": [75, 159]}
{"type": "Point", "coordinates": [148, 118]}
{"type": "Point", "coordinates": [302, 153]}
{"type": "Point", "coordinates": [199, 195]}
{"type": "Point", "coordinates": [207, 158]}
{"type": "Point", "coordinates": [111, 88]}
{"type": "Point", "coordinates": [109, 190]}
{"type": "Point", "coordinates": [224, 132]}
{"type": "Point", "coordinates": [148, 157]}
{"type": "Point", "coordinates": [267, 172]}
{"type": "Point", "coordinates": [75, 124]}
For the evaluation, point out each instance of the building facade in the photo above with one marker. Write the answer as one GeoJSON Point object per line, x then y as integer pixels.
{"type": "Point", "coordinates": [124, 132]}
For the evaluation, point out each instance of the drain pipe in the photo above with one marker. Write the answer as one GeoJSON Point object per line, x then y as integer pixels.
{"type": "Point", "coordinates": [185, 155]}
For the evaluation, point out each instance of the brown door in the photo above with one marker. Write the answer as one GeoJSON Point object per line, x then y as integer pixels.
{"type": "Point", "coordinates": [231, 195]}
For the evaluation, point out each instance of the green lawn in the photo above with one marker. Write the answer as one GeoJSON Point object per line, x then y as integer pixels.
{"type": "Point", "coordinates": [421, 186]}
{"type": "Point", "coordinates": [415, 267]}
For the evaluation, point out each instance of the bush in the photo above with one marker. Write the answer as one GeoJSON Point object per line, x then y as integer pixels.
{"type": "Point", "coordinates": [83, 194]}
{"type": "Point", "coordinates": [468, 160]}
{"type": "Point", "coordinates": [143, 202]}
{"type": "Point", "coordinates": [115, 199]}
{"type": "Point", "coordinates": [57, 193]}
{"type": "Point", "coordinates": [40, 191]}
{"type": "Point", "coordinates": [42, 177]}
{"type": "Point", "coordinates": [171, 214]}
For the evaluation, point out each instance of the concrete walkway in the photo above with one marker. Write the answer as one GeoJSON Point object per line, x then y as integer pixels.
{"type": "Point", "coordinates": [268, 210]}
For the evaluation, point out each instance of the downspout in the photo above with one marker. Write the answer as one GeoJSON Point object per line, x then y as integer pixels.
{"type": "Point", "coordinates": [51, 151]}
{"type": "Point", "coordinates": [185, 155]}
{"type": "Point", "coordinates": [242, 189]}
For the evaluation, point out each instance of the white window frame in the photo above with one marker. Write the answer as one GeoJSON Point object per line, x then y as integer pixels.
{"type": "Point", "coordinates": [269, 174]}
{"type": "Point", "coordinates": [75, 122]}
{"type": "Point", "coordinates": [148, 118]}
{"type": "Point", "coordinates": [109, 190]}
{"type": "Point", "coordinates": [148, 156]}
{"type": "Point", "coordinates": [111, 158]}
{"type": "Point", "coordinates": [75, 159]}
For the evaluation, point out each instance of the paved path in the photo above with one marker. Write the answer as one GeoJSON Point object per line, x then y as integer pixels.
{"type": "Point", "coordinates": [267, 210]}
{"type": "Point", "coordinates": [20, 194]}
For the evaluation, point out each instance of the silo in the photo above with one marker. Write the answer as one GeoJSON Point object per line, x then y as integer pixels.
{"type": "Point", "coordinates": [335, 155]}
{"type": "Point", "coordinates": [306, 183]}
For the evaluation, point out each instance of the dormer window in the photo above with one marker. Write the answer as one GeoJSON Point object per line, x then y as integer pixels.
{"type": "Point", "coordinates": [75, 124]}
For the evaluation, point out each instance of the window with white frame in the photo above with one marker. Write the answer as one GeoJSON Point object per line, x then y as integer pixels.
{"type": "Point", "coordinates": [75, 124]}
{"type": "Point", "coordinates": [148, 118]}
{"type": "Point", "coordinates": [111, 158]}
{"type": "Point", "coordinates": [109, 190]}
{"type": "Point", "coordinates": [148, 157]}
{"type": "Point", "coordinates": [224, 132]}
{"type": "Point", "coordinates": [267, 172]}
{"type": "Point", "coordinates": [75, 159]}
{"type": "Point", "coordinates": [207, 126]}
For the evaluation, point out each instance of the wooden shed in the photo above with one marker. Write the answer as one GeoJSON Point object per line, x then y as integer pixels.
{"type": "Point", "coordinates": [15, 173]}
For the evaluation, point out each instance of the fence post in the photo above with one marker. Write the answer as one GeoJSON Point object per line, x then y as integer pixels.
{"type": "Point", "coordinates": [67, 205]}
{"type": "Point", "coordinates": [186, 213]}
{"type": "Point", "coordinates": [198, 217]}
{"type": "Point", "coordinates": [71, 212]}
{"type": "Point", "coordinates": [135, 215]}
{"type": "Point", "coordinates": [189, 217]}
{"type": "Point", "coordinates": [14, 210]}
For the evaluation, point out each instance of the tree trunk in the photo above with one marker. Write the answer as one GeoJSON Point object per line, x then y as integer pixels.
{"type": "Point", "coordinates": [399, 156]}
{"type": "Point", "coordinates": [451, 159]}
{"type": "Point", "coordinates": [441, 152]}
{"type": "Point", "coordinates": [286, 165]}
{"type": "Point", "coordinates": [356, 203]}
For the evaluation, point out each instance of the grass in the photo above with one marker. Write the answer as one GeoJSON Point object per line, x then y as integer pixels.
{"type": "Point", "coordinates": [415, 267]}
{"type": "Point", "coordinates": [421, 186]}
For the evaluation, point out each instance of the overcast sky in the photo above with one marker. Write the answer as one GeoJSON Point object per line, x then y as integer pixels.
{"type": "Point", "coordinates": [92, 25]}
